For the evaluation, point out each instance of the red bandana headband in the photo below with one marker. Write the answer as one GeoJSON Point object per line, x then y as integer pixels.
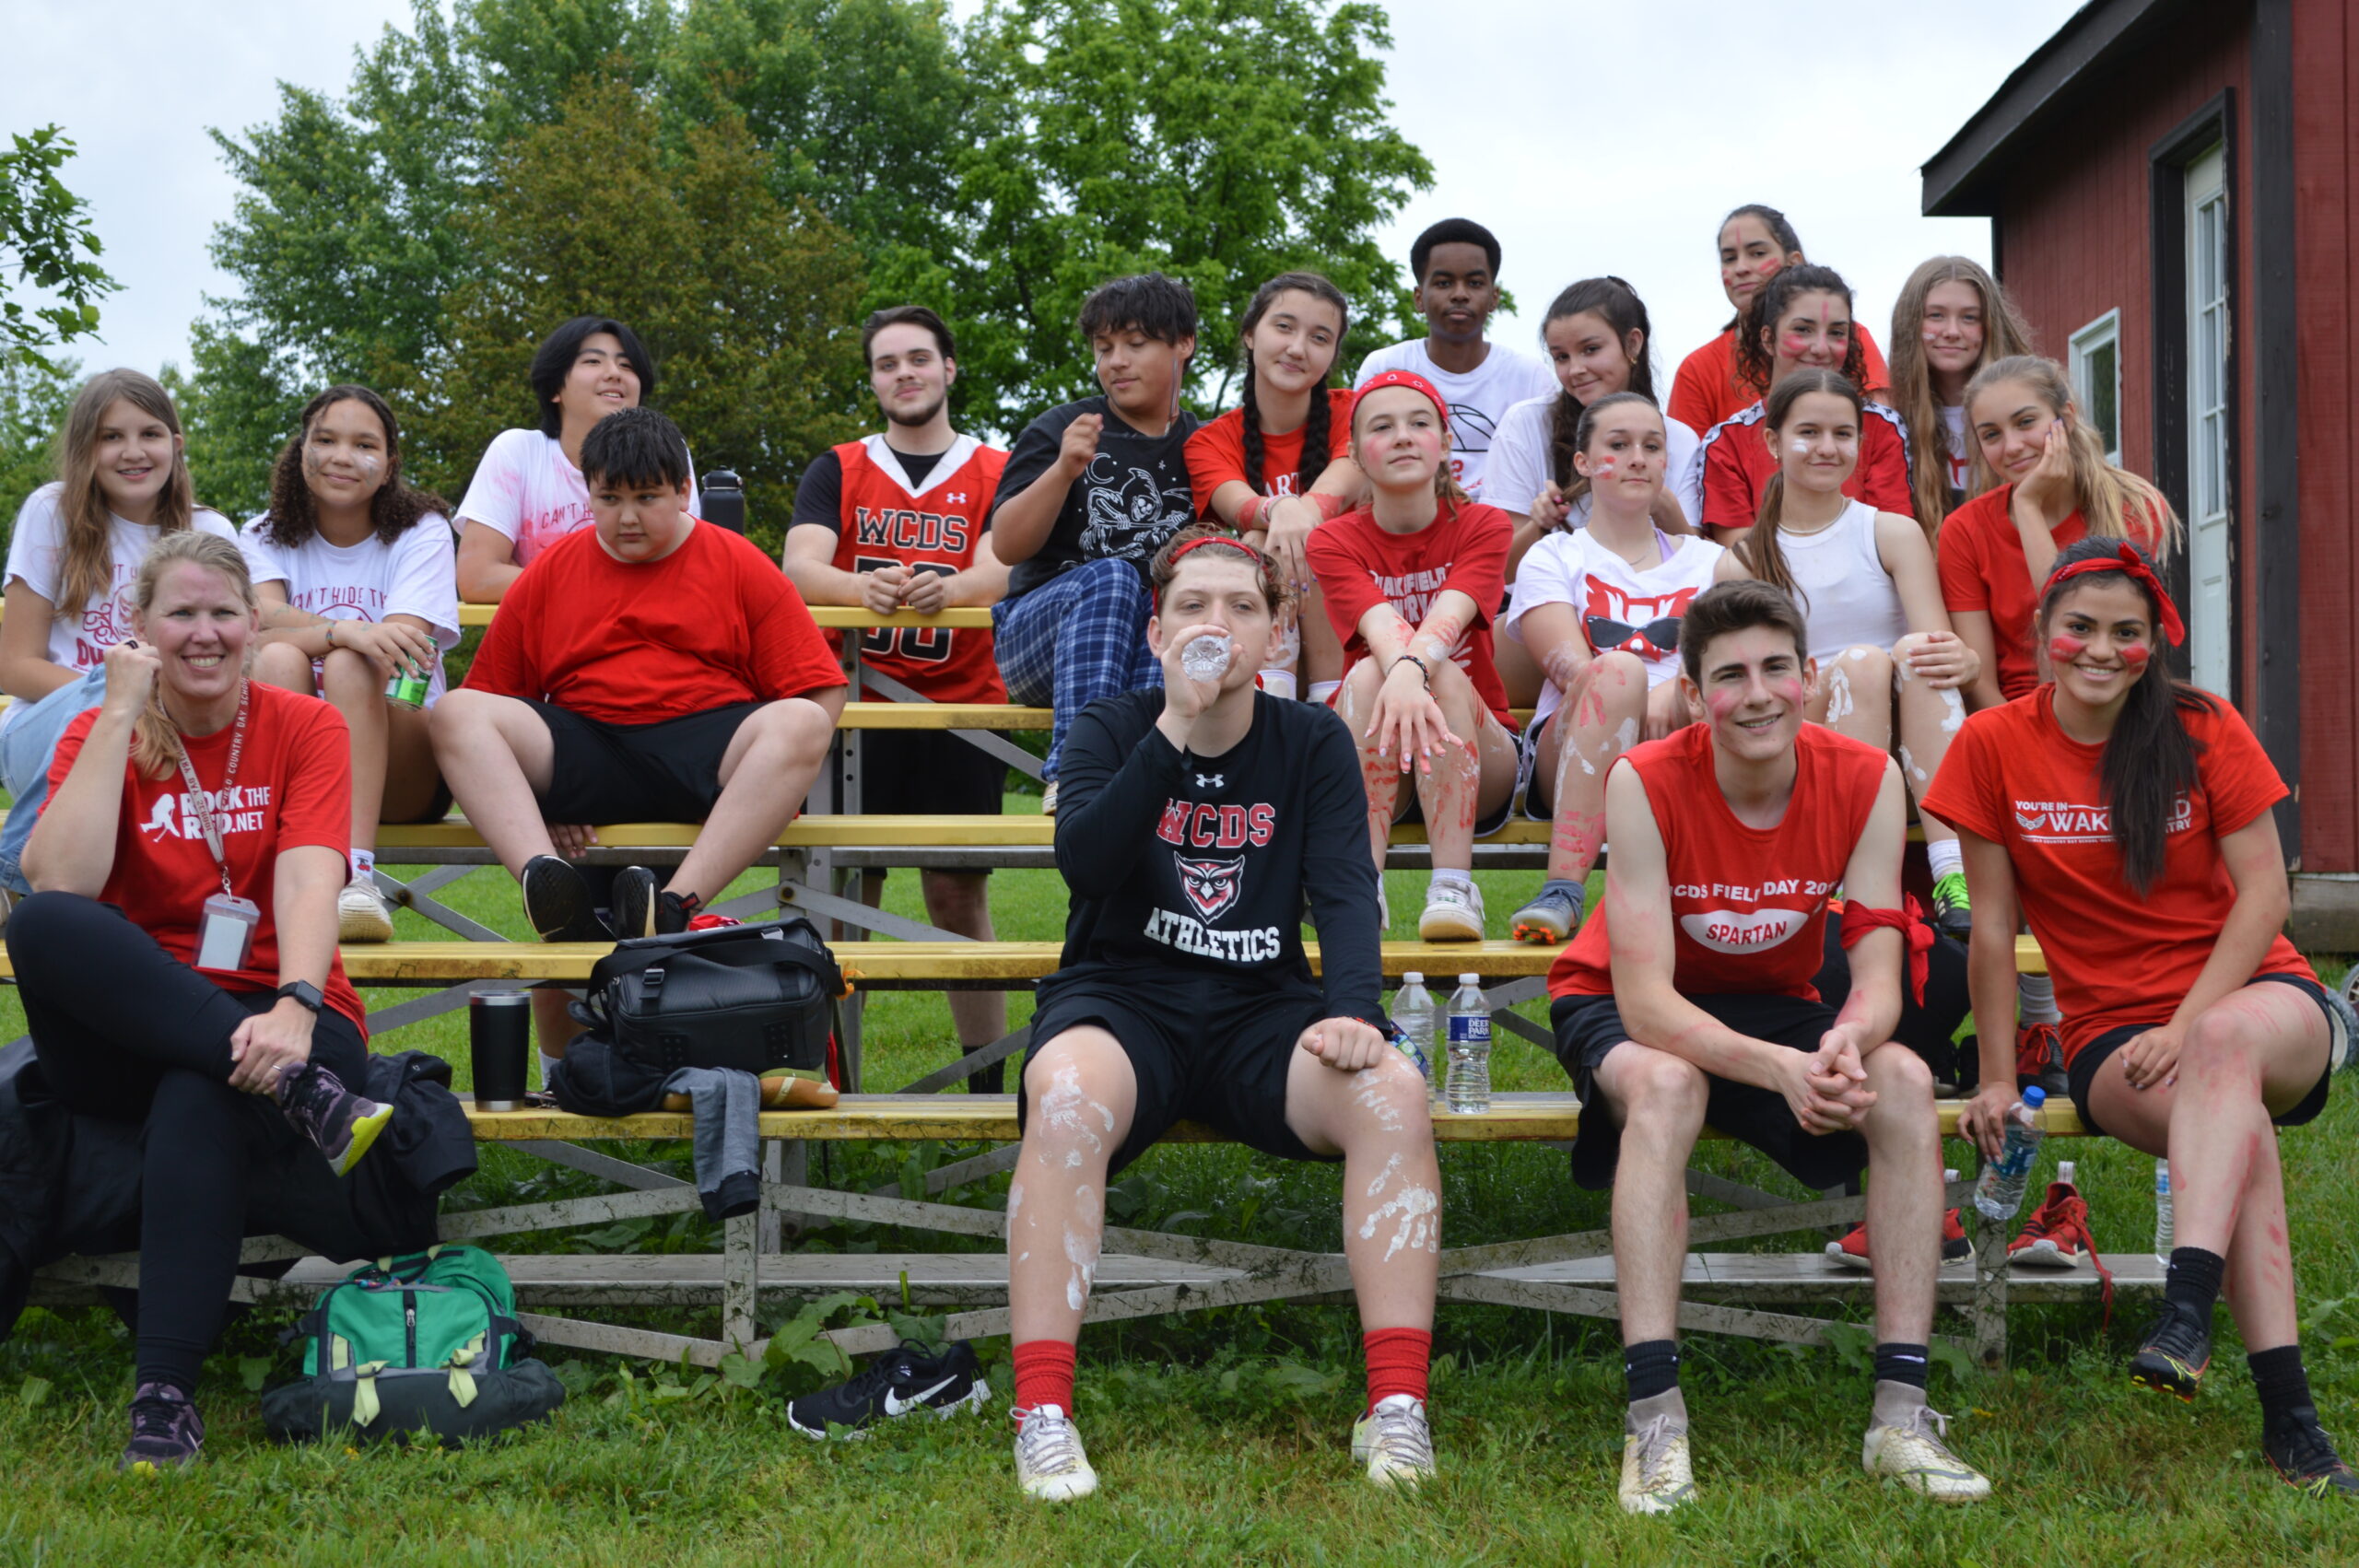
{"type": "Point", "coordinates": [1409, 379]}
{"type": "Point", "coordinates": [2130, 562]}
{"type": "Point", "coordinates": [1238, 546]}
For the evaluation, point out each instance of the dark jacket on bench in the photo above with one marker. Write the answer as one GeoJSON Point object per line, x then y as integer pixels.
{"type": "Point", "coordinates": [70, 1183]}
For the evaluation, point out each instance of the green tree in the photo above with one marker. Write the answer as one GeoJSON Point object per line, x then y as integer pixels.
{"type": "Point", "coordinates": [34, 394]}
{"type": "Point", "coordinates": [46, 236]}
{"type": "Point", "coordinates": [1220, 141]}
{"type": "Point", "coordinates": [742, 300]}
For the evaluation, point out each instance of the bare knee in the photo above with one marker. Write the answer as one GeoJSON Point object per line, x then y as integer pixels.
{"type": "Point", "coordinates": [1658, 1089]}
{"type": "Point", "coordinates": [1068, 1122]}
{"type": "Point", "coordinates": [283, 664]}
{"type": "Point", "coordinates": [1619, 673]}
{"type": "Point", "coordinates": [957, 900]}
{"type": "Point", "coordinates": [1865, 666]}
{"type": "Point", "coordinates": [1389, 1099]}
{"type": "Point", "coordinates": [2219, 1047]}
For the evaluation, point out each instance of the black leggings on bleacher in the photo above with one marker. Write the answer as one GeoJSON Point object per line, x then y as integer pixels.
{"type": "Point", "coordinates": [126, 1032]}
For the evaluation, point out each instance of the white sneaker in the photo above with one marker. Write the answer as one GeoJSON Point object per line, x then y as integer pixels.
{"type": "Point", "coordinates": [1384, 912]}
{"type": "Point", "coordinates": [1454, 913]}
{"type": "Point", "coordinates": [1656, 1474]}
{"type": "Point", "coordinates": [360, 914]}
{"type": "Point", "coordinates": [1916, 1456]}
{"type": "Point", "coordinates": [1049, 799]}
{"type": "Point", "coordinates": [1393, 1442]}
{"type": "Point", "coordinates": [1050, 1463]}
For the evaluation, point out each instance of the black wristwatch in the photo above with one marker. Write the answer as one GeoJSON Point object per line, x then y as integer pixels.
{"type": "Point", "coordinates": [305, 993]}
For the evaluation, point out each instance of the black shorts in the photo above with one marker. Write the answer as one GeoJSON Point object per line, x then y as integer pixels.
{"type": "Point", "coordinates": [1202, 1050]}
{"type": "Point", "coordinates": [928, 773]}
{"type": "Point", "coordinates": [666, 772]}
{"type": "Point", "coordinates": [1588, 1028]}
{"type": "Point", "coordinates": [2081, 1073]}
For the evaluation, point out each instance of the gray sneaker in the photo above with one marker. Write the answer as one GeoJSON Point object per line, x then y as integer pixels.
{"type": "Point", "coordinates": [1553, 913]}
{"type": "Point", "coordinates": [166, 1431]}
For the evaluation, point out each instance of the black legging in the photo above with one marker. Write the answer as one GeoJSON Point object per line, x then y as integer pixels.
{"type": "Point", "coordinates": [127, 1031]}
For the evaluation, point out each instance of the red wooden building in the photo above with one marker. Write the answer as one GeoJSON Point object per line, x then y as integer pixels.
{"type": "Point", "coordinates": [2169, 185]}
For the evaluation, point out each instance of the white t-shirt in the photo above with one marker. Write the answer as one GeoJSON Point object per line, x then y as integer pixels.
{"type": "Point", "coordinates": [415, 575]}
{"type": "Point", "coordinates": [1520, 467]}
{"type": "Point", "coordinates": [1477, 400]}
{"type": "Point", "coordinates": [1619, 607]}
{"type": "Point", "coordinates": [527, 491]}
{"type": "Point", "coordinates": [37, 560]}
{"type": "Point", "coordinates": [1847, 596]}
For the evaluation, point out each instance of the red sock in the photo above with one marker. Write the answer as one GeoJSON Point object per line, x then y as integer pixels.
{"type": "Point", "coordinates": [1397, 1360]}
{"type": "Point", "coordinates": [1044, 1375]}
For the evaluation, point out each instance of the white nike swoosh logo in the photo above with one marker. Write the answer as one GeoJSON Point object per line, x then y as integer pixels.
{"type": "Point", "coordinates": [895, 1405]}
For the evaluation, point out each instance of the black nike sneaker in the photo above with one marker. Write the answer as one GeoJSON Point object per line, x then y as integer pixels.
{"type": "Point", "coordinates": [2304, 1457]}
{"type": "Point", "coordinates": [2176, 1353]}
{"type": "Point", "coordinates": [557, 902]}
{"type": "Point", "coordinates": [902, 1382]}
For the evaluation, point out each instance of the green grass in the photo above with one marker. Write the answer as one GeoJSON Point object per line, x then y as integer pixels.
{"type": "Point", "coordinates": [1220, 1437]}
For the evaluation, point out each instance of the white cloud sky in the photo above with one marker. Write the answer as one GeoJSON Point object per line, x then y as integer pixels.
{"type": "Point", "coordinates": [1592, 137]}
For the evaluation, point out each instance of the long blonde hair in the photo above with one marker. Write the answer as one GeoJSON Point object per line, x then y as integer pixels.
{"type": "Point", "coordinates": [82, 506]}
{"type": "Point", "coordinates": [156, 741]}
{"type": "Point", "coordinates": [2116, 503]}
{"type": "Point", "coordinates": [2004, 335]}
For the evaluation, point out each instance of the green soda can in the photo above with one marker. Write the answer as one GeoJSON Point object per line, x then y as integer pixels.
{"type": "Point", "coordinates": [406, 689]}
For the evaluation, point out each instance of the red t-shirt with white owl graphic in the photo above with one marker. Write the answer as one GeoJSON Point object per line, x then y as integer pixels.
{"type": "Point", "coordinates": [1746, 902]}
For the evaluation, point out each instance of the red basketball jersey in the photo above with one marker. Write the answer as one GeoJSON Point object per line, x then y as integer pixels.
{"type": "Point", "coordinates": [886, 521]}
{"type": "Point", "coordinates": [1746, 902]}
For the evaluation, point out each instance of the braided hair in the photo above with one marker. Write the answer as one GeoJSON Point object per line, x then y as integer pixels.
{"type": "Point", "coordinates": [1616, 304]}
{"type": "Point", "coordinates": [1318, 430]}
{"type": "Point", "coordinates": [1755, 358]}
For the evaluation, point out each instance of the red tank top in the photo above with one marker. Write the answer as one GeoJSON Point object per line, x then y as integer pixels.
{"type": "Point", "coordinates": [1746, 902]}
{"type": "Point", "coordinates": [885, 522]}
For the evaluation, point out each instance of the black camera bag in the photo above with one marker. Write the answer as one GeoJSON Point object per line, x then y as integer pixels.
{"type": "Point", "coordinates": [757, 998]}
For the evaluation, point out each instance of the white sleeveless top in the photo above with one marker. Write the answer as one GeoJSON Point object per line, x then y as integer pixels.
{"type": "Point", "coordinates": [1848, 600]}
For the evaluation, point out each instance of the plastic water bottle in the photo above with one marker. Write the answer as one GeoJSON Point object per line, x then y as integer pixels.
{"type": "Point", "coordinates": [2000, 1191]}
{"type": "Point", "coordinates": [1412, 1025]}
{"type": "Point", "coordinates": [2163, 1233]}
{"type": "Point", "coordinates": [1469, 1047]}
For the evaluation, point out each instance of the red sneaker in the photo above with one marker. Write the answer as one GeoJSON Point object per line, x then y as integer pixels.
{"type": "Point", "coordinates": [1852, 1250]}
{"type": "Point", "coordinates": [2057, 1236]}
{"type": "Point", "coordinates": [2039, 1058]}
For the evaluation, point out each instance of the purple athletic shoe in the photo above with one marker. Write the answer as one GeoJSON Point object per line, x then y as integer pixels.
{"type": "Point", "coordinates": [166, 1431]}
{"type": "Point", "coordinates": [315, 1102]}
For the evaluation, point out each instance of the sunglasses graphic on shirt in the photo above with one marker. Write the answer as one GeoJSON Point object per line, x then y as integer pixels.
{"type": "Point", "coordinates": [1656, 639]}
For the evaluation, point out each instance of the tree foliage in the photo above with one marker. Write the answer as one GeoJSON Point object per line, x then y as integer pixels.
{"type": "Point", "coordinates": [34, 395]}
{"type": "Point", "coordinates": [47, 239]}
{"type": "Point", "coordinates": [743, 300]}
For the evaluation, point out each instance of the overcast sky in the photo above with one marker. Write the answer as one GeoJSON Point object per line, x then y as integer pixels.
{"type": "Point", "coordinates": [1592, 137]}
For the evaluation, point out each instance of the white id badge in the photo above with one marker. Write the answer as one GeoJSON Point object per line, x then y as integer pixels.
{"type": "Point", "coordinates": [225, 937]}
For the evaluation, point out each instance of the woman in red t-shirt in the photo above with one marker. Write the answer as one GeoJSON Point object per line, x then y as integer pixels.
{"type": "Point", "coordinates": [2127, 816]}
{"type": "Point", "coordinates": [140, 876]}
{"type": "Point", "coordinates": [1756, 243]}
{"type": "Point", "coordinates": [1411, 583]}
{"type": "Point", "coordinates": [1800, 321]}
{"type": "Point", "coordinates": [1279, 464]}
{"type": "Point", "coordinates": [2055, 487]}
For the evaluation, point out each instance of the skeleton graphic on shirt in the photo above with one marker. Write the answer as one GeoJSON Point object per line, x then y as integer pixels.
{"type": "Point", "coordinates": [1130, 515]}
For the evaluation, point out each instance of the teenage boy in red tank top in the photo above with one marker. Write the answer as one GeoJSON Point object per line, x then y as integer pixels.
{"type": "Point", "coordinates": [1727, 838]}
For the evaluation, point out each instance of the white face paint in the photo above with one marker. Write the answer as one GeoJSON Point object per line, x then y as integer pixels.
{"type": "Point", "coordinates": [1376, 1187]}
{"type": "Point", "coordinates": [1799, 446]}
{"type": "Point", "coordinates": [1368, 1091]}
{"type": "Point", "coordinates": [1060, 1113]}
{"type": "Point", "coordinates": [1417, 1213]}
{"type": "Point", "coordinates": [1839, 706]}
{"type": "Point", "coordinates": [1953, 716]}
{"type": "Point", "coordinates": [1014, 1207]}
{"type": "Point", "coordinates": [1627, 736]}
{"type": "Point", "coordinates": [1908, 764]}
{"type": "Point", "coordinates": [1081, 1244]}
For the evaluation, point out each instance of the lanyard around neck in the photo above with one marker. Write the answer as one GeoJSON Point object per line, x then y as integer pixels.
{"type": "Point", "coordinates": [201, 804]}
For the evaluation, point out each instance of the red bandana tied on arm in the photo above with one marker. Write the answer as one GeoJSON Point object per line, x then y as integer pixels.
{"type": "Point", "coordinates": [1859, 920]}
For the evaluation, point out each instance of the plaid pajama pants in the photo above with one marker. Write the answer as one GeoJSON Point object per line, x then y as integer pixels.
{"type": "Point", "coordinates": [1078, 637]}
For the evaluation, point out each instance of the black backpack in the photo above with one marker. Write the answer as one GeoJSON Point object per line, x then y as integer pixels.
{"type": "Point", "coordinates": [757, 998]}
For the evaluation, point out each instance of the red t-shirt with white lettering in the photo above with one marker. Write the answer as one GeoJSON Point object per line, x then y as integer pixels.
{"type": "Point", "coordinates": [1359, 566]}
{"type": "Point", "coordinates": [1216, 452]}
{"type": "Point", "coordinates": [293, 789]}
{"type": "Point", "coordinates": [1746, 902]}
{"type": "Point", "coordinates": [711, 625]}
{"type": "Point", "coordinates": [1980, 553]}
{"type": "Point", "coordinates": [2014, 776]}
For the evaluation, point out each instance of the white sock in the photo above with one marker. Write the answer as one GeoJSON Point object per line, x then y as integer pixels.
{"type": "Point", "coordinates": [1450, 879]}
{"type": "Point", "coordinates": [1945, 859]}
{"type": "Point", "coordinates": [363, 861]}
{"type": "Point", "coordinates": [548, 1065]}
{"type": "Point", "coordinates": [1323, 692]}
{"type": "Point", "coordinates": [2035, 999]}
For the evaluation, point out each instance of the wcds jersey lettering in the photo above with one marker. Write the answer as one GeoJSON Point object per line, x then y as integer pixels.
{"type": "Point", "coordinates": [886, 522]}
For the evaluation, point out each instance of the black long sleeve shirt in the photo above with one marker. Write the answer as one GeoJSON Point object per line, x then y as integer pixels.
{"type": "Point", "coordinates": [1200, 866]}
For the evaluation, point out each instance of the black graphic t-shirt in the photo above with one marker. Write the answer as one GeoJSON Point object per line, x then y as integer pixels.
{"type": "Point", "coordinates": [1133, 496]}
{"type": "Point", "coordinates": [1198, 866]}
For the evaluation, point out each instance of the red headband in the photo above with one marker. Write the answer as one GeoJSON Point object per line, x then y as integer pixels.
{"type": "Point", "coordinates": [1409, 379]}
{"type": "Point", "coordinates": [1236, 545]}
{"type": "Point", "coordinates": [2133, 565]}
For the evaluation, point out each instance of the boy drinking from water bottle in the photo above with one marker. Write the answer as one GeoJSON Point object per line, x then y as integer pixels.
{"type": "Point", "coordinates": [1728, 836]}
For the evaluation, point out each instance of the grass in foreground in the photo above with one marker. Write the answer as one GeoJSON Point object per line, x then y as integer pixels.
{"type": "Point", "coordinates": [1220, 1437]}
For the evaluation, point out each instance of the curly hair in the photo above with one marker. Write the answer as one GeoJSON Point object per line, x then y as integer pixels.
{"type": "Point", "coordinates": [394, 509]}
{"type": "Point", "coordinates": [1756, 359]}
